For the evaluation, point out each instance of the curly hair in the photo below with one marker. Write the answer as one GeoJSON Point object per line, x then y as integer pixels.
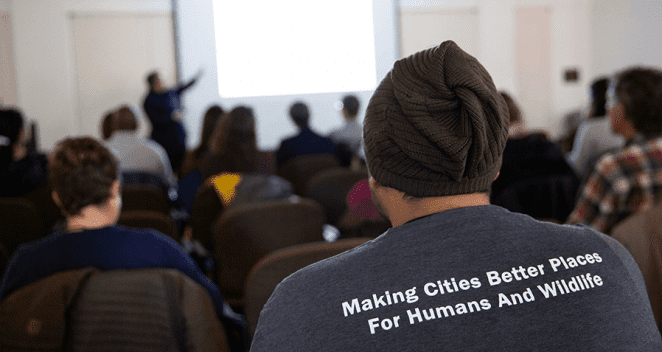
{"type": "Point", "coordinates": [81, 172]}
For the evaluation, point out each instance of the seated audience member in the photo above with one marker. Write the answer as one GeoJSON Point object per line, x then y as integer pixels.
{"type": "Point", "coordinates": [306, 142]}
{"type": "Point", "coordinates": [20, 170]}
{"type": "Point", "coordinates": [627, 181]}
{"type": "Point", "coordinates": [594, 136]}
{"type": "Point", "coordinates": [193, 158]}
{"type": "Point", "coordinates": [568, 129]}
{"type": "Point", "coordinates": [351, 134]}
{"type": "Point", "coordinates": [234, 167]}
{"type": "Point", "coordinates": [83, 174]}
{"type": "Point", "coordinates": [533, 167]}
{"type": "Point", "coordinates": [456, 273]}
{"type": "Point", "coordinates": [138, 154]}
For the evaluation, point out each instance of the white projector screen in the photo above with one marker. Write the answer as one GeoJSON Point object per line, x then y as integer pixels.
{"type": "Point", "coordinates": [268, 54]}
{"type": "Point", "coordinates": [292, 47]}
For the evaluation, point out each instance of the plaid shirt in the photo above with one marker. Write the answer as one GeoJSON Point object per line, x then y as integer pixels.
{"type": "Point", "coordinates": [623, 183]}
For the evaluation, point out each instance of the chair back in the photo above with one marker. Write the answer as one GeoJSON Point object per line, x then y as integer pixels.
{"type": "Point", "coordinates": [156, 309]}
{"type": "Point", "coordinates": [302, 168]}
{"type": "Point", "coordinates": [330, 188]}
{"type": "Point", "coordinates": [245, 234]}
{"type": "Point", "coordinates": [149, 219]}
{"type": "Point", "coordinates": [206, 209]}
{"type": "Point", "coordinates": [276, 266]}
{"type": "Point", "coordinates": [543, 197]}
{"type": "Point", "coordinates": [145, 197]}
{"type": "Point", "coordinates": [641, 234]}
{"type": "Point", "coordinates": [20, 222]}
{"type": "Point", "coordinates": [4, 257]}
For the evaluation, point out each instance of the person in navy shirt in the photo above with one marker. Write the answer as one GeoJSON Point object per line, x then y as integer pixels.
{"type": "Point", "coordinates": [84, 178]}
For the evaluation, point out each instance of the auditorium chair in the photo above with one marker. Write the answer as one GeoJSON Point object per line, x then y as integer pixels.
{"type": "Point", "coordinates": [278, 265]}
{"type": "Point", "coordinates": [145, 197]}
{"type": "Point", "coordinates": [246, 233]}
{"type": "Point", "coordinates": [206, 209]}
{"type": "Point", "coordinates": [4, 258]}
{"type": "Point", "coordinates": [20, 222]}
{"type": "Point", "coordinates": [641, 234]}
{"type": "Point", "coordinates": [330, 188]}
{"type": "Point", "coordinates": [118, 310]}
{"type": "Point", "coordinates": [302, 168]}
{"type": "Point", "coordinates": [149, 219]}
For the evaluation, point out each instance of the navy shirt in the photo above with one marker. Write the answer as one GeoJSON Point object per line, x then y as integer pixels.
{"type": "Point", "coordinates": [108, 248]}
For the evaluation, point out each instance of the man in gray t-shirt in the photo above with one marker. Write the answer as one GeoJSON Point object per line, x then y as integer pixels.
{"type": "Point", "coordinates": [454, 272]}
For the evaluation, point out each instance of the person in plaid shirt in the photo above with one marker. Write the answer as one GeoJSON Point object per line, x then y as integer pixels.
{"type": "Point", "coordinates": [629, 180]}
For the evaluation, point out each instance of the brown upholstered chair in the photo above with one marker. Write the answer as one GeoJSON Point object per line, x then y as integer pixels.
{"type": "Point", "coordinates": [149, 219]}
{"type": "Point", "coordinates": [275, 267]}
{"type": "Point", "coordinates": [246, 233]}
{"type": "Point", "coordinates": [206, 209]}
{"type": "Point", "coordinates": [330, 188]}
{"type": "Point", "coordinates": [118, 310]}
{"type": "Point", "coordinates": [20, 222]}
{"type": "Point", "coordinates": [302, 168]}
{"type": "Point", "coordinates": [42, 197]}
{"type": "Point", "coordinates": [641, 234]}
{"type": "Point", "coordinates": [4, 258]}
{"type": "Point", "coordinates": [145, 197]}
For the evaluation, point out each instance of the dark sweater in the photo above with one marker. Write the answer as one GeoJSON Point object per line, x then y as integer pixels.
{"type": "Point", "coordinates": [108, 248]}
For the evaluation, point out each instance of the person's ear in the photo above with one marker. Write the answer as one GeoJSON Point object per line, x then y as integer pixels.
{"type": "Point", "coordinates": [374, 185]}
{"type": "Point", "coordinates": [56, 199]}
{"type": "Point", "coordinates": [115, 188]}
{"type": "Point", "coordinates": [497, 175]}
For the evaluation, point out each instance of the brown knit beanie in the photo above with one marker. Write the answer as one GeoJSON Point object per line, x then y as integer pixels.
{"type": "Point", "coordinates": [436, 125]}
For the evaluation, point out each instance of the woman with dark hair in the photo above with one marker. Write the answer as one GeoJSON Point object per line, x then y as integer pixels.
{"type": "Point", "coordinates": [193, 158]}
{"type": "Point", "coordinates": [594, 136]}
{"type": "Point", "coordinates": [233, 145]}
{"type": "Point", "coordinates": [20, 171]}
{"type": "Point", "coordinates": [84, 178]}
{"type": "Point", "coordinates": [233, 168]}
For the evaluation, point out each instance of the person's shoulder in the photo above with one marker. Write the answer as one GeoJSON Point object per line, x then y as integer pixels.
{"type": "Point", "coordinates": [140, 234]}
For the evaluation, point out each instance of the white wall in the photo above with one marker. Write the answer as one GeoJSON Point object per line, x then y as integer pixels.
{"type": "Point", "coordinates": [625, 33]}
{"type": "Point", "coordinates": [595, 36]}
{"type": "Point", "coordinates": [44, 58]}
{"type": "Point", "coordinates": [569, 36]}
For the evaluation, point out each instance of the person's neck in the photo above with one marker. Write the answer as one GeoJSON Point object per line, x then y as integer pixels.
{"type": "Point", "coordinates": [90, 218]}
{"type": "Point", "coordinates": [407, 210]}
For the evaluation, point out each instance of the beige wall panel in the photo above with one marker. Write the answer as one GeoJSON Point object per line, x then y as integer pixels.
{"type": "Point", "coordinates": [113, 54]}
{"type": "Point", "coordinates": [422, 28]}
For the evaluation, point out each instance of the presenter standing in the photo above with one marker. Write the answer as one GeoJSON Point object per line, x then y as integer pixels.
{"type": "Point", "coordinates": [163, 108]}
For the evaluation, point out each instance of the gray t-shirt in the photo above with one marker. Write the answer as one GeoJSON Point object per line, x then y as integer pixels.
{"type": "Point", "coordinates": [468, 279]}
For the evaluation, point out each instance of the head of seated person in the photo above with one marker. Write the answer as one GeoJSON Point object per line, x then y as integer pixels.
{"type": "Point", "coordinates": [124, 120]}
{"type": "Point", "coordinates": [300, 114]}
{"type": "Point", "coordinates": [83, 175]}
{"type": "Point", "coordinates": [350, 107]}
{"type": "Point", "coordinates": [634, 103]}
{"type": "Point", "coordinates": [11, 137]}
{"type": "Point", "coordinates": [234, 142]}
{"type": "Point", "coordinates": [107, 125]}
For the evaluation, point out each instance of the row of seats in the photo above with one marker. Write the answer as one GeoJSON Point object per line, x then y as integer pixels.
{"type": "Point", "coordinates": [156, 309]}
